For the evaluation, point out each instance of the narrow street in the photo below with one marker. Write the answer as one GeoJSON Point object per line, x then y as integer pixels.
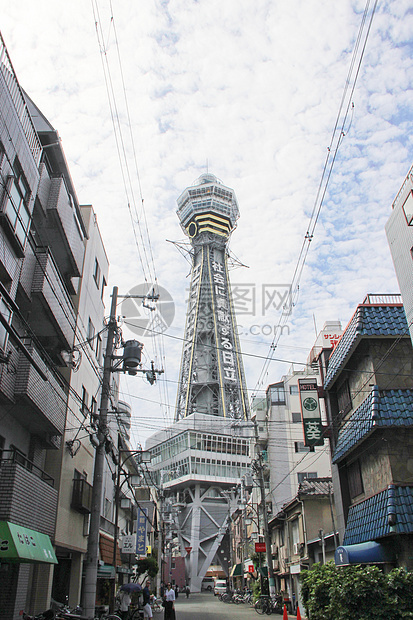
{"type": "Point", "coordinates": [205, 606]}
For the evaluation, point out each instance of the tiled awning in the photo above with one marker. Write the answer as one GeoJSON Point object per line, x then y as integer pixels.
{"type": "Point", "coordinates": [106, 550]}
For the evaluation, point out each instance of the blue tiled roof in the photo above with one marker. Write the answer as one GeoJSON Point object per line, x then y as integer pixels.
{"type": "Point", "coordinates": [378, 410]}
{"type": "Point", "coordinates": [367, 321]}
{"type": "Point", "coordinates": [368, 520]}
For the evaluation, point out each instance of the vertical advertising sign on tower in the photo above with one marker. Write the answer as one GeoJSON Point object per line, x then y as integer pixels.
{"type": "Point", "coordinates": [141, 522]}
{"type": "Point", "coordinates": [310, 412]}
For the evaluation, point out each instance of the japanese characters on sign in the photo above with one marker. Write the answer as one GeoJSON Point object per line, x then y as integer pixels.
{"type": "Point", "coordinates": [128, 543]}
{"type": "Point", "coordinates": [310, 412]}
{"type": "Point", "coordinates": [141, 523]}
{"type": "Point", "coordinates": [224, 322]}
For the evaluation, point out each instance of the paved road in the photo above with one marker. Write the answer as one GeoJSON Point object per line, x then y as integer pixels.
{"type": "Point", "coordinates": [206, 606]}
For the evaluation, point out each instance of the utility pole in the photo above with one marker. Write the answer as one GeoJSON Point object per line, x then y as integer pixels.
{"type": "Point", "coordinates": [91, 565]}
{"type": "Point", "coordinates": [259, 469]}
{"type": "Point", "coordinates": [130, 362]}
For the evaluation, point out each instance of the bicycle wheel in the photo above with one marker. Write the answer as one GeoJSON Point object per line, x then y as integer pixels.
{"type": "Point", "coordinates": [110, 617]}
{"type": "Point", "coordinates": [259, 606]}
{"type": "Point", "coordinates": [269, 606]}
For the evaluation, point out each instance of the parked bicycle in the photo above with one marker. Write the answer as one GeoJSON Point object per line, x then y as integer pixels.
{"type": "Point", "coordinates": [267, 605]}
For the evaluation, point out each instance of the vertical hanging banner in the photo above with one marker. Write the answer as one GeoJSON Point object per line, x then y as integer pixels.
{"type": "Point", "coordinates": [141, 523]}
{"type": "Point", "coordinates": [310, 412]}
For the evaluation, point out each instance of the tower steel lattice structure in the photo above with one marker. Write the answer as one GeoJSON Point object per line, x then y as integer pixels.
{"type": "Point", "coordinates": [212, 376]}
{"type": "Point", "coordinates": [200, 461]}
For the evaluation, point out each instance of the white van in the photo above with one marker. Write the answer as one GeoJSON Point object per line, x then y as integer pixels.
{"type": "Point", "coordinates": [220, 586]}
{"type": "Point", "coordinates": [208, 584]}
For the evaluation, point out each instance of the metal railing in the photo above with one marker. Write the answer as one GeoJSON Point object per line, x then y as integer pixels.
{"type": "Point", "coordinates": [385, 299]}
{"type": "Point", "coordinates": [14, 456]}
{"type": "Point", "coordinates": [19, 102]}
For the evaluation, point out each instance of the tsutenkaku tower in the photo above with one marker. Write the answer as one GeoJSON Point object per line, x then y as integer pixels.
{"type": "Point", "coordinates": [200, 461]}
{"type": "Point", "coordinates": [212, 375]}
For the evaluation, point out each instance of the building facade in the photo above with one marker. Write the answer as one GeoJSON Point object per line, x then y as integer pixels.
{"type": "Point", "coordinates": [43, 236]}
{"type": "Point", "coordinates": [399, 231]}
{"type": "Point", "coordinates": [369, 396]}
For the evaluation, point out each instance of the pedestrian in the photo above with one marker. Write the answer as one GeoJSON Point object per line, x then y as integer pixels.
{"type": "Point", "coordinates": [187, 591]}
{"type": "Point", "coordinates": [169, 603]}
{"type": "Point", "coordinates": [147, 609]}
{"type": "Point", "coordinates": [124, 601]}
{"type": "Point", "coordinates": [176, 591]}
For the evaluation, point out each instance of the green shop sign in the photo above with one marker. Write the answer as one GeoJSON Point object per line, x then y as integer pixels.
{"type": "Point", "coordinates": [20, 544]}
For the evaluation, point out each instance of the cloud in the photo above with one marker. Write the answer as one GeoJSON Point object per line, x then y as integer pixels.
{"type": "Point", "coordinates": [252, 91]}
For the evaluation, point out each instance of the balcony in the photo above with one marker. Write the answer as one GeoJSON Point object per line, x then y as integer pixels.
{"type": "Point", "coordinates": [51, 313]}
{"type": "Point", "coordinates": [39, 405]}
{"type": "Point", "coordinates": [28, 495]}
{"type": "Point", "coordinates": [81, 496]}
{"type": "Point", "coordinates": [62, 224]}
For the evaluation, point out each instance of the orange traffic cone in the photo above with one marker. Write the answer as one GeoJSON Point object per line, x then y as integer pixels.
{"type": "Point", "coordinates": [298, 614]}
{"type": "Point", "coordinates": [285, 615]}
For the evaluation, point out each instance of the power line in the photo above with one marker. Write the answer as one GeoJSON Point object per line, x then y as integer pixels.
{"type": "Point", "coordinates": [337, 137]}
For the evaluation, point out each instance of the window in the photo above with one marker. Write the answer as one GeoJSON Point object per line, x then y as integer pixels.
{"type": "Point", "coordinates": [98, 347]}
{"type": "Point", "coordinates": [277, 394]}
{"type": "Point", "coordinates": [344, 398]}
{"type": "Point", "coordinates": [355, 481]}
{"type": "Point", "coordinates": [294, 389]}
{"type": "Point", "coordinates": [108, 509]}
{"type": "Point", "coordinates": [96, 273]}
{"type": "Point", "coordinates": [85, 399]}
{"type": "Point", "coordinates": [304, 475]}
{"type": "Point", "coordinates": [296, 417]}
{"type": "Point", "coordinates": [15, 209]}
{"type": "Point", "coordinates": [93, 411]}
{"type": "Point", "coordinates": [408, 208]}
{"type": "Point", "coordinates": [7, 314]}
{"type": "Point", "coordinates": [90, 333]}
{"type": "Point", "coordinates": [300, 447]}
{"type": "Point", "coordinates": [103, 286]}
{"type": "Point", "coordinates": [2, 444]}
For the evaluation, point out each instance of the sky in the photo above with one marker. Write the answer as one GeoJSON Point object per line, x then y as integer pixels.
{"type": "Point", "coordinates": [147, 96]}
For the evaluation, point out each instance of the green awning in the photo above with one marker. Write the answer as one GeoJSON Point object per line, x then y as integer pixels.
{"type": "Point", "coordinates": [20, 544]}
{"type": "Point", "coordinates": [264, 571]}
{"type": "Point", "coordinates": [236, 570]}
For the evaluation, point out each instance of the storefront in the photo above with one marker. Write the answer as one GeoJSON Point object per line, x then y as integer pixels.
{"type": "Point", "coordinates": [26, 557]}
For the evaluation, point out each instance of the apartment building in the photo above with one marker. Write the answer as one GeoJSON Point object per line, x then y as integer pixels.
{"type": "Point", "coordinates": [369, 395]}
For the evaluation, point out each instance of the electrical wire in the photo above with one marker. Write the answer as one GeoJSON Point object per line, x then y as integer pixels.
{"type": "Point", "coordinates": [337, 137]}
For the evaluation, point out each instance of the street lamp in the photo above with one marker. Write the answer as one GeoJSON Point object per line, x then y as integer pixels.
{"type": "Point", "coordinates": [134, 480]}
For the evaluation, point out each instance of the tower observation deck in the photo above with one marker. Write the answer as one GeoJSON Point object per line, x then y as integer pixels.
{"type": "Point", "coordinates": [199, 461]}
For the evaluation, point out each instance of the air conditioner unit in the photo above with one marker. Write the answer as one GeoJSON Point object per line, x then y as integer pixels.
{"type": "Point", "coordinates": [274, 550]}
{"type": "Point", "coordinates": [298, 548]}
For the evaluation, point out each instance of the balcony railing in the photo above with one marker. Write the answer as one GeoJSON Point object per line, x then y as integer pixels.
{"type": "Point", "coordinates": [14, 456]}
{"type": "Point", "coordinates": [16, 95]}
{"type": "Point", "coordinates": [40, 405]}
{"type": "Point", "coordinates": [27, 494]}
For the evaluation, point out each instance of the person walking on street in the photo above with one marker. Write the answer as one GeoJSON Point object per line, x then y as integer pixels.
{"type": "Point", "coordinates": [147, 609]}
{"type": "Point", "coordinates": [169, 603]}
{"type": "Point", "coordinates": [187, 591]}
{"type": "Point", "coordinates": [125, 601]}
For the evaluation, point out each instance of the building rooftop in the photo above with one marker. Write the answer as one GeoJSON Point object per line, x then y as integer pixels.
{"type": "Point", "coordinates": [315, 486]}
{"type": "Point", "coordinates": [369, 520]}
{"type": "Point", "coordinates": [380, 409]}
{"type": "Point", "coordinates": [369, 320]}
